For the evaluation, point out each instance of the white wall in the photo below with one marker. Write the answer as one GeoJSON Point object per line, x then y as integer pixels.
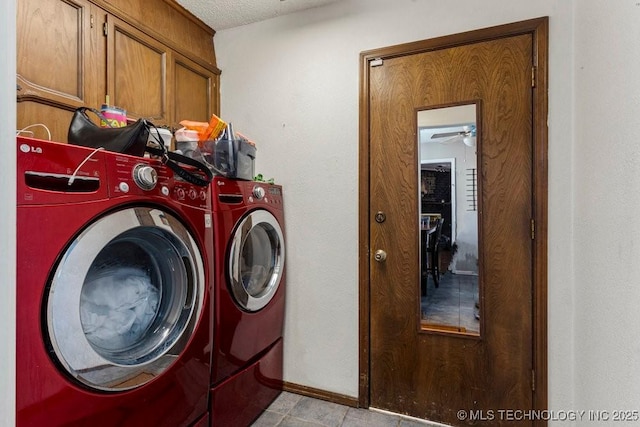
{"type": "Point", "coordinates": [7, 212]}
{"type": "Point", "coordinates": [292, 83]}
{"type": "Point", "coordinates": [606, 193]}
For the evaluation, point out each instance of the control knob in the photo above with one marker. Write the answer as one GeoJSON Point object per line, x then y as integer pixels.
{"type": "Point", "coordinates": [145, 176]}
{"type": "Point", "coordinates": [180, 193]}
{"type": "Point", "coordinates": [258, 192]}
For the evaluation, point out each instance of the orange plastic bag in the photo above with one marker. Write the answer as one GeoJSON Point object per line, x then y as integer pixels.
{"type": "Point", "coordinates": [206, 131]}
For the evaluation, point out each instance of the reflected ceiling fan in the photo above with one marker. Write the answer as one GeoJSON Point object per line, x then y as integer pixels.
{"type": "Point", "coordinates": [467, 135]}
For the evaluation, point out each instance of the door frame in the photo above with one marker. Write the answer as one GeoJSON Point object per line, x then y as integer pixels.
{"type": "Point", "coordinates": [539, 30]}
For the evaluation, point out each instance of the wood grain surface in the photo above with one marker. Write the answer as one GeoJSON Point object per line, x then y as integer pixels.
{"type": "Point", "coordinates": [433, 375]}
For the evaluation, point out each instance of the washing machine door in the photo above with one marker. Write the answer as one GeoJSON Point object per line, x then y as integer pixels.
{"type": "Point", "coordinates": [125, 298]}
{"type": "Point", "coordinates": [256, 260]}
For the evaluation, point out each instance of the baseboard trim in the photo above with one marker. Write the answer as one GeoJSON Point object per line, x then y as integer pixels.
{"type": "Point", "coordinates": [321, 394]}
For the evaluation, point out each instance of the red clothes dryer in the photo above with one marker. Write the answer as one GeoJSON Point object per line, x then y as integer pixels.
{"type": "Point", "coordinates": [113, 308]}
{"type": "Point", "coordinates": [249, 299]}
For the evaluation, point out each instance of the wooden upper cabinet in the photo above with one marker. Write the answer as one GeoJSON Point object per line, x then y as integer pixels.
{"type": "Point", "coordinates": [157, 63]}
{"type": "Point", "coordinates": [136, 72]}
{"type": "Point", "coordinates": [52, 49]}
{"type": "Point", "coordinates": [194, 91]}
{"type": "Point", "coordinates": [54, 70]}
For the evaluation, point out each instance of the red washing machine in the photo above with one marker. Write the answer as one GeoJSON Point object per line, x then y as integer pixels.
{"type": "Point", "coordinates": [249, 299]}
{"type": "Point", "coordinates": [113, 307]}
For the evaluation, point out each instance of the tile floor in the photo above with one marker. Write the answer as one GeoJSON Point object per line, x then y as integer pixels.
{"type": "Point", "coordinates": [453, 302]}
{"type": "Point", "coordinates": [293, 410]}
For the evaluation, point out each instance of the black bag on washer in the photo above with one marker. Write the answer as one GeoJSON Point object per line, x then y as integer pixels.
{"type": "Point", "coordinates": [132, 140]}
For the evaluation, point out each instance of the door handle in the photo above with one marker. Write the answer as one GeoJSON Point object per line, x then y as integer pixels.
{"type": "Point", "coordinates": [380, 255]}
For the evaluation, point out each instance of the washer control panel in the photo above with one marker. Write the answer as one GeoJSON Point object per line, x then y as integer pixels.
{"type": "Point", "coordinates": [129, 175]}
{"type": "Point", "coordinates": [231, 194]}
{"type": "Point", "coordinates": [266, 193]}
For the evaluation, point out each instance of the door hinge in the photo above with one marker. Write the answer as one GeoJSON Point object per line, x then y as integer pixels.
{"type": "Point", "coordinates": [533, 229]}
{"type": "Point", "coordinates": [105, 29]}
{"type": "Point", "coordinates": [376, 62]}
{"type": "Point", "coordinates": [533, 76]}
{"type": "Point", "coordinates": [91, 21]}
{"type": "Point", "coordinates": [533, 380]}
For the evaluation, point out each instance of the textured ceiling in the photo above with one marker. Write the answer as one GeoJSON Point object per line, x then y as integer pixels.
{"type": "Point", "coordinates": [224, 14]}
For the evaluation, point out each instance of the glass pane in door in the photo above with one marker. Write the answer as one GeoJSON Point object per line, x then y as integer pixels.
{"type": "Point", "coordinates": [448, 222]}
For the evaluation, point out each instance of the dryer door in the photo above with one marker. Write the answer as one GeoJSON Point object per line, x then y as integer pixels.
{"type": "Point", "coordinates": [256, 260]}
{"type": "Point", "coordinates": [125, 298]}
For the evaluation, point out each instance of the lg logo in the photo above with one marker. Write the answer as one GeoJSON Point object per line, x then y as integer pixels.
{"type": "Point", "coordinates": [26, 148]}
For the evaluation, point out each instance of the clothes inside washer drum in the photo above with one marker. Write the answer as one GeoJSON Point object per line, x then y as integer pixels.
{"type": "Point", "coordinates": [117, 309]}
{"type": "Point", "coordinates": [255, 279]}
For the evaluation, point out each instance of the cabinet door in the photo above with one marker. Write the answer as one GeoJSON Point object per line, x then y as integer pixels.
{"type": "Point", "coordinates": [194, 91]}
{"type": "Point", "coordinates": [55, 73]}
{"type": "Point", "coordinates": [136, 72]}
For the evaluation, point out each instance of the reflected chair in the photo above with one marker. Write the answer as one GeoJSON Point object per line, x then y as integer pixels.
{"type": "Point", "coordinates": [424, 263]}
{"type": "Point", "coordinates": [433, 254]}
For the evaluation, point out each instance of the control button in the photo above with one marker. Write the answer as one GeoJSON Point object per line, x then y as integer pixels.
{"type": "Point", "coordinates": [258, 192]}
{"type": "Point", "coordinates": [145, 176]}
{"type": "Point", "coordinates": [193, 194]}
{"type": "Point", "coordinates": [203, 195]}
{"type": "Point", "coordinates": [124, 187]}
{"type": "Point", "coordinates": [164, 190]}
{"type": "Point", "coordinates": [180, 193]}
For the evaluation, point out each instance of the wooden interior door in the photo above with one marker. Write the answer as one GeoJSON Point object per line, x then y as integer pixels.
{"type": "Point", "coordinates": [433, 374]}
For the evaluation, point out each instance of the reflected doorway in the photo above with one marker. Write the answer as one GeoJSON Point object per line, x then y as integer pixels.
{"type": "Point", "coordinates": [449, 286]}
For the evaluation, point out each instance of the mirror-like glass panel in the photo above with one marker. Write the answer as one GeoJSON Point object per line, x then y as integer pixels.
{"type": "Point", "coordinates": [448, 223]}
